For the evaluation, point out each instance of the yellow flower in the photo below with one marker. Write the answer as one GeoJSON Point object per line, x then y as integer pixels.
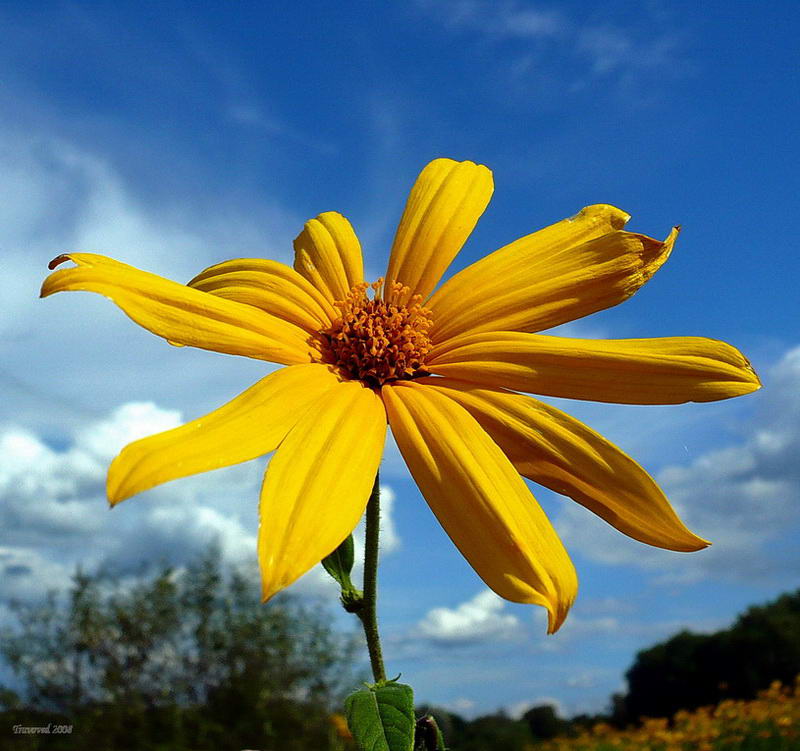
{"type": "Point", "coordinates": [442, 367]}
{"type": "Point", "coordinates": [339, 725]}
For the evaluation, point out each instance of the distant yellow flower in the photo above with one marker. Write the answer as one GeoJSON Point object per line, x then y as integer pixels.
{"type": "Point", "coordinates": [442, 367]}
{"type": "Point", "coordinates": [339, 725]}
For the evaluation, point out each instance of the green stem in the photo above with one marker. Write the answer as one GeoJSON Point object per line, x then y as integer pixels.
{"type": "Point", "coordinates": [368, 613]}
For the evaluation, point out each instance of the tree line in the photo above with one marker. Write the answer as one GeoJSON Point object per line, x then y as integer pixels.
{"type": "Point", "coordinates": [173, 660]}
{"type": "Point", "coordinates": [686, 671]}
{"type": "Point", "coordinates": [190, 659]}
{"type": "Point", "coordinates": [692, 670]}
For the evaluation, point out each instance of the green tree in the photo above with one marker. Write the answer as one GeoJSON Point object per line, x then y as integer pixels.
{"type": "Point", "coordinates": [177, 660]}
{"type": "Point", "coordinates": [544, 722]}
{"type": "Point", "coordinates": [691, 670]}
{"type": "Point", "coordinates": [496, 732]}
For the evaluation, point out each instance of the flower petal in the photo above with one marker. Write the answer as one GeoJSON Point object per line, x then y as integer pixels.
{"type": "Point", "coordinates": [561, 453]}
{"type": "Point", "coordinates": [318, 483]}
{"type": "Point", "coordinates": [328, 254]}
{"type": "Point", "coordinates": [566, 271]}
{"type": "Point", "coordinates": [443, 208]}
{"type": "Point", "coordinates": [669, 370]}
{"type": "Point", "coordinates": [183, 316]}
{"type": "Point", "coordinates": [271, 286]}
{"type": "Point", "coordinates": [250, 425]}
{"type": "Point", "coordinates": [480, 500]}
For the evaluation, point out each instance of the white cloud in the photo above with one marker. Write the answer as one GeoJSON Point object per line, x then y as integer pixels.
{"type": "Point", "coordinates": [317, 583]}
{"type": "Point", "coordinates": [71, 354]}
{"type": "Point", "coordinates": [203, 526]}
{"type": "Point", "coordinates": [28, 574]}
{"type": "Point", "coordinates": [46, 491]}
{"type": "Point", "coordinates": [479, 619]}
{"type": "Point", "coordinates": [54, 512]}
{"type": "Point", "coordinates": [389, 539]}
{"type": "Point", "coordinates": [57, 196]}
{"type": "Point", "coordinates": [129, 422]}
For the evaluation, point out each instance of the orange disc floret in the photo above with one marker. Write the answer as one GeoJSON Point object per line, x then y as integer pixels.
{"type": "Point", "coordinates": [375, 340]}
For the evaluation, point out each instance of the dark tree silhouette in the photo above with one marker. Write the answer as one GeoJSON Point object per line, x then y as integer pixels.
{"type": "Point", "coordinates": [544, 722]}
{"type": "Point", "coordinates": [691, 670]}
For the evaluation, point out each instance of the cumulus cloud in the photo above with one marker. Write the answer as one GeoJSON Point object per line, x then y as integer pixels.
{"type": "Point", "coordinates": [53, 508]}
{"type": "Point", "coordinates": [54, 513]}
{"type": "Point", "coordinates": [743, 497]}
{"type": "Point", "coordinates": [46, 491]}
{"type": "Point", "coordinates": [477, 620]}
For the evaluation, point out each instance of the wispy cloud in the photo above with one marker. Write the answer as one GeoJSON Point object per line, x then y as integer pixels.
{"type": "Point", "coordinates": [498, 20]}
{"type": "Point", "coordinates": [545, 41]}
{"type": "Point", "coordinates": [57, 197]}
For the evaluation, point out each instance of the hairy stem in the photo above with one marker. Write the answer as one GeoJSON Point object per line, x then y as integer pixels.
{"type": "Point", "coordinates": [368, 613]}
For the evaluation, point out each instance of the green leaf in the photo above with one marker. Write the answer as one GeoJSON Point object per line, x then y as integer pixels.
{"type": "Point", "coordinates": [381, 717]}
{"type": "Point", "coordinates": [339, 563]}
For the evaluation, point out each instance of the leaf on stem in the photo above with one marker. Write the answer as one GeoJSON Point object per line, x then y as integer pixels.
{"type": "Point", "coordinates": [381, 717]}
{"type": "Point", "coordinates": [339, 563]}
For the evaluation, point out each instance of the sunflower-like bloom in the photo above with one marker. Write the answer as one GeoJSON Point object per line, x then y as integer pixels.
{"type": "Point", "coordinates": [444, 367]}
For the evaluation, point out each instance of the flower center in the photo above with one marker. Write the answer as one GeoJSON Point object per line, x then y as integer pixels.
{"type": "Point", "coordinates": [376, 341]}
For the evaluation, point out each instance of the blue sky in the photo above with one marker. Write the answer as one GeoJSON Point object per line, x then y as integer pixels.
{"type": "Point", "coordinates": [175, 135]}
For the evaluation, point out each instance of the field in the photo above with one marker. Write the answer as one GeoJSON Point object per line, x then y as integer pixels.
{"type": "Point", "coordinates": [769, 723]}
